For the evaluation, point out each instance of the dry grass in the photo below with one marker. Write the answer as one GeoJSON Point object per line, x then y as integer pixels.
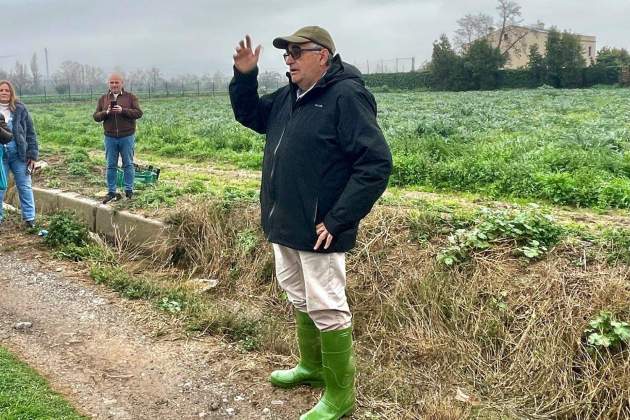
{"type": "Point", "coordinates": [507, 332]}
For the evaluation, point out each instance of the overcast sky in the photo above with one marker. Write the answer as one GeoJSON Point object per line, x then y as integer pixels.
{"type": "Point", "coordinates": [195, 36]}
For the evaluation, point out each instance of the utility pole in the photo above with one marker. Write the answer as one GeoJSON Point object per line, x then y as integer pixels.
{"type": "Point", "coordinates": [47, 71]}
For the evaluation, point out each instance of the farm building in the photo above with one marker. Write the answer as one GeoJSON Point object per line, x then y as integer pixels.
{"type": "Point", "coordinates": [518, 39]}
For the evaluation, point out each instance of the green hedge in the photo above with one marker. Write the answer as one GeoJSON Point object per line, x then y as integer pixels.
{"type": "Point", "coordinates": [515, 79]}
{"type": "Point", "coordinates": [407, 81]}
{"type": "Point", "coordinates": [509, 79]}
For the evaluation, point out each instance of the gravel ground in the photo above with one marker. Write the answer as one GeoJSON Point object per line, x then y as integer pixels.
{"type": "Point", "coordinates": [119, 359]}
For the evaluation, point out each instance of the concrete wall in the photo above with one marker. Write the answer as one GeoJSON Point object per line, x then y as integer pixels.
{"type": "Point", "coordinates": [100, 218]}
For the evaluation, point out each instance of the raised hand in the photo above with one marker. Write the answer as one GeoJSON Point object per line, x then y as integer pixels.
{"type": "Point", "coordinates": [246, 59]}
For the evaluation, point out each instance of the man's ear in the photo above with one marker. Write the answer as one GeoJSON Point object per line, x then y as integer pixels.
{"type": "Point", "coordinates": [326, 56]}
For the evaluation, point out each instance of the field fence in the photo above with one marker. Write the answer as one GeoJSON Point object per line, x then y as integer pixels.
{"type": "Point", "coordinates": [53, 93]}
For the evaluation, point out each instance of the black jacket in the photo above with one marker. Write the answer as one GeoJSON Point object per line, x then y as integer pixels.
{"type": "Point", "coordinates": [6, 135]}
{"type": "Point", "coordinates": [325, 156]}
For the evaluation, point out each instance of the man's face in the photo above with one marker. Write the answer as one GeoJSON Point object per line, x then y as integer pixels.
{"type": "Point", "coordinates": [115, 84]}
{"type": "Point", "coordinates": [308, 68]}
{"type": "Point", "coordinates": [5, 93]}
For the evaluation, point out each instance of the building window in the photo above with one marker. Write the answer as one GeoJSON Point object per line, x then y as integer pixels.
{"type": "Point", "coordinates": [505, 37]}
{"type": "Point", "coordinates": [590, 51]}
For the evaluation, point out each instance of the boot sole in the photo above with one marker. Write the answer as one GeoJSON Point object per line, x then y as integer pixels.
{"type": "Point", "coordinates": [289, 385]}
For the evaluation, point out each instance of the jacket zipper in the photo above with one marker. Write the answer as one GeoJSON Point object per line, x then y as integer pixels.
{"type": "Point", "coordinates": [116, 123]}
{"type": "Point", "coordinates": [273, 169]}
{"type": "Point", "coordinates": [275, 151]}
{"type": "Point", "coordinates": [273, 164]}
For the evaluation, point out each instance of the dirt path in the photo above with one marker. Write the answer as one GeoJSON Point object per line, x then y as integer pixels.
{"type": "Point", "coordinates": [118, 359]}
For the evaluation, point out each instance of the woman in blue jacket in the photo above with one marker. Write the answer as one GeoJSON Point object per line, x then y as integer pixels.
{"type": "Point", "coordinates": [20, 151]}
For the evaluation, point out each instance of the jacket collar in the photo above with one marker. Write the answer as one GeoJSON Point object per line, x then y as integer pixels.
{"type": "Point", "coordinates": [122, 91]}
{"type": "Point", "coordinates": [336, 68]}
{"type": "Point", "coordinates": [19, 107]}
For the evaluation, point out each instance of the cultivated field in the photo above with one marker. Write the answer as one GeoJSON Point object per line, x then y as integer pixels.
{"type": "Point", "coordinates": [563, 147]}
{"type": "Point", "coordinates": [467, 301]}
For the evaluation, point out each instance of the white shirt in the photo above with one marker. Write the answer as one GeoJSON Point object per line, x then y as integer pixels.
{"type": "Point", "coordinates": [4, 110]}
{"type": "Point", "coordinates": [299, 92]}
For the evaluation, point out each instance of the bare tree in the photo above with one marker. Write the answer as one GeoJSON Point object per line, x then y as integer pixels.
{"type": "Point", "coordinates": [509, 14]}
{"type": "Point", "coordinates": [472, 27]}
{"type": "Point", "coordinates": [93, 76]}
{"type": "Point", "coordinates": [155, 77]}
{"type": "Point", "coordinates": [270, 80]}
{"type": "Point", "coordinates": [35, 71]}
{"type": "Point", "coordinates": [137, 79]}
{"type": "Point", "coordinates": [219, 80]}
{"type": "Point", "coordinates": [77, 77]}
{"type": "Point", "coordinates": [511, 37]}
{"type": "Point", "coordinates": [20, 76]}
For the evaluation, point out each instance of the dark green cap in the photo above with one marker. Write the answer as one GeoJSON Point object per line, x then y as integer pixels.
{"type": "Point", "coordinates": [314, 34]}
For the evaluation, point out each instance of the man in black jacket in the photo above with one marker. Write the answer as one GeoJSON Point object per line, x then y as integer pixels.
{"type": "Point", "coordinates": [325, 164]}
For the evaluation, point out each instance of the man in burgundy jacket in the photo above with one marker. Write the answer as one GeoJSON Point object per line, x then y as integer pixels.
{"type": "Point", "coordinates": [118, 110]}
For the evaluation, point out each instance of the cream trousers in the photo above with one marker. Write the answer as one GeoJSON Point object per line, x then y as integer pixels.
{"type": "Point", "coordinates": [315, 283]}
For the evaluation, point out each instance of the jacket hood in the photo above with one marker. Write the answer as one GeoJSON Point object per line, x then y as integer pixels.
{"type": "Point", "coordinates": [340, 70]}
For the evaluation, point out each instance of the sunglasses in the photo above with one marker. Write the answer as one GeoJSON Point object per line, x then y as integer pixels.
{"type": "Point", "coordinates": [295, 51]}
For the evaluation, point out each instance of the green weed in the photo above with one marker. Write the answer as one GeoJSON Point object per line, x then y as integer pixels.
{"type": "Point", "coordinates": [605, 332]}
{"type": "Point", "coordinates": [65, 230]}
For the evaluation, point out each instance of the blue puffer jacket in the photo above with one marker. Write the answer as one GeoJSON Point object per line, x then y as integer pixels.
{"type": "Point", "coordinates": [24, 134]}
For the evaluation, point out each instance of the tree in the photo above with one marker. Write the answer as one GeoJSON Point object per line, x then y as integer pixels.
{"type": "Point", "coordinates": [536, 66]}
{"type": "Point", "coordinates": [77, 77]}
{"type": "Point", "coordinates": [608, 66]}
{"type": "Point", "coordinates": [219, 80]}
{"type": "Point", "coordinates": [94, 77]}
{"type": "Point", "coordinates": [482, 62]}
{"type": "Point", "coordinates": [20, 76]}
{"type": "Point", "coordinates": [270, 80]}
{"type": "Point", "coordinates": [472, 27]}
{"type": "Point", "coordinates": [511, 38]}
{"type": "Point", "coordinates": [613, 57]}
{"type": "Point", "coordinates": [553, 59]}
{"type": "Point", "coordinates": [509, 14]}
{"type": "Point", "coordinates": [136, 79]}
{"type": "Point", "coordinates": [564, 60]}
{"type": "Point", "coordinates": [155, 77]}
{"type": "Point", "coordinates": [446, 66]}
{"type": "Point", "coordinates": [35, 72]}
{"type": "Point", "coordinates": [573, 60]}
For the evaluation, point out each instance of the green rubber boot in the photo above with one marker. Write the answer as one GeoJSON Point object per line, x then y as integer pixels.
{"type": "Point", "coordinates": [309, 369]}
{"type": "Point", "coordinates": [338, 364]}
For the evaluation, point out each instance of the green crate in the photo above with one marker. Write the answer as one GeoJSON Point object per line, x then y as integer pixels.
{"type": "Point", "coordinates": [144, 175]}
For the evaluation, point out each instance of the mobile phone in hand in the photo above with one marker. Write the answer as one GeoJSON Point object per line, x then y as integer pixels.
{"type": "Point", "coordinates": [113, 104]}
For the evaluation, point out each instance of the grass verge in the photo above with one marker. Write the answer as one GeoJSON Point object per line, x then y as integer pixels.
{"type": "Point", "coordinates": [501, 329]}
{"type": "Point", "coordinates": [26, 395]}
